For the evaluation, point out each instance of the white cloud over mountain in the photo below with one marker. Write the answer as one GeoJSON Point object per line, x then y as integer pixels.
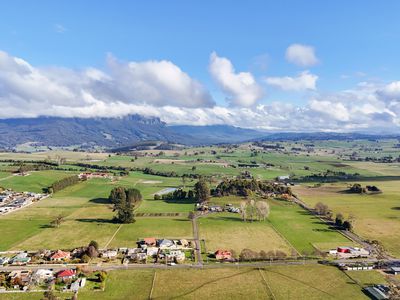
{"type": "Point", "coordinates": [160, 88]}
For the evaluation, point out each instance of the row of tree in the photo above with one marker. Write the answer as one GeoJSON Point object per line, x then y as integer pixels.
{"type": "Point", "coordinates": [359, 189]}
{"type": "Point", "coordinates": [62, 184]}
{"type": "Point", "coordinates": [177, 195]}
{"type": "Point", "coordinates": [250, 209]}
{"type": "Point", "coordinates": [244, 187]}
{"type": "Point", "coordinates": [250, 255]}
{"type": "Point", "coordinates": [323, 210]}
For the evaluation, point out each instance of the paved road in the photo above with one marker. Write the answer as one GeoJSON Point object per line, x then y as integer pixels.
{"type": "Point", "coordinates": [59, 267]}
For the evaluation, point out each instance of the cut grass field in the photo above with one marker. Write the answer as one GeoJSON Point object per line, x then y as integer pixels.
{"type": "Point", "coordinates": [152, 227]}
{"type": "Point", "coordinates": [275, 282]}
{"type": "Point", "coordinates": [377, 217]}
{"type": "Point", "coordinates": [228, 231]}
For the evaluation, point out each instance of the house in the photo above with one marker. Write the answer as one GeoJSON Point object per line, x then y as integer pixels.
{"type": "Point", "coordinates": [131, 251]}
{"type": "Point", "coordinates": [60, 255]}
{"type": "Point", "coordinates": [184, 243]}
{"type": "Point", "coordinates": [141, 256]}
{"type": "Point", "coordinates": [43, 275]}
{"type": "Point", "coordinates": [20, 277]}
{"type": "Point", "coordinates": [66, 275]}
{"type": "Point", "coordinates": [223, 255]}
{"type": "Point", "coordinates": [77, 284]}
{"type": "Point", "coordinates": [165, 243]}
{"type": "Point", "coordinates": [178, 255]}
{"type": "Point", "coordinates": [150, 241]}
{"type": "Point", "coordinates": [21, 259]}
{"type": "Point", "coordinates": [4, 260]}
{"type": "Point", "coordinates": [283, 177]}
{"type": "Point", "coordinates": [351, 252]}
{"type": "Point", "coordinates": [377, 292]}
{"type": "Point", "coordinates": [110, 254]}
{"type": "Point", "coordinates": [152, 251]}
{"type": "Point", "coordinates": [395, 270]}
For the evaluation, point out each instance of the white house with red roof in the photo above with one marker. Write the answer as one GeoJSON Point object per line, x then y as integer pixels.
{"type": "Point", "coordinates": [60, 255]}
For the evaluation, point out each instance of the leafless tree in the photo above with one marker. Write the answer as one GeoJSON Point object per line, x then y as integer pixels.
{"type": "Point", "coordinates": [243, 210]}
{"type": "Point", "coordinates": [321, 208]}
{"type": "Point", "coordinates": [263, 210]}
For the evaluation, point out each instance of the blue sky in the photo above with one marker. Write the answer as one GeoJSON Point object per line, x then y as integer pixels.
{"type": "Point", "coordinates": [353, 41]}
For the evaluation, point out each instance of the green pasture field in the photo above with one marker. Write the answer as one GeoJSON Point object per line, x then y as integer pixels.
{"type": "Point", "coordinates": [35, 181]}
{"type": "Point", "coordinates": [53, 154]}
{"type": "Point", "coordinates": [88, 216]}
{"type": "Point", "coordinates": [227, 231]}
{"type": "Point", "coordinates": [4, 175]}
{"type": "Point", "coordinates": [377, 216]}
{"type": "Point", "coordinates": [158, 227]}
{"type": "Point", "coordinates": [300, 229]}
{"type": "Point", "coordinates": [275, 282]}
{"type": "Point", "coordinates": [304, 231]}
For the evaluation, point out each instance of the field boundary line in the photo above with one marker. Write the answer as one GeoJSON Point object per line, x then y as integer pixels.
{"type": "Point", "coordinates": [152, 285]}
{"type": "Point", "coordinates": [284, 238]}
{"type": "Point", "coordinates": [266, 283]}
{"type": "Point", "coordinates": [113, 236]}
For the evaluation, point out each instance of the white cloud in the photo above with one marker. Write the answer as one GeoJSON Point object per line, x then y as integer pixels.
{"type": "Point", "coordinates": [337, 111]}
{"type": "Point", "coordinates": [33, 90]}
{"type": "Point", "coordinates": [390, 92]}
{"type": "Point", "coordinates": [162, 89]}
{"type": "Point", "coordinates": [301, 55]}
{"type": "Point", "coordinates": [304, 81]}
{"type": "Point", "coordinates": [241, 88]}
{"type": "Point", "coordinates": [156, 82]}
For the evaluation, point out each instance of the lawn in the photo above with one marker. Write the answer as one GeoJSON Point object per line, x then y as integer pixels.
{"type": "Point", "coordinates": [228, 231]}
{"type": "Point", "coordinates": [377, 217]}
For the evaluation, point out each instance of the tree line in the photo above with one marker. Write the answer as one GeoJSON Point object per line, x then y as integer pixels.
{"type": "Point", "coordinates": [62, 184]}
{"type": "Point", "coordinates": [323, 210]}
{"type": "Point", "coordinates": [244, 187]}
{"type": "Point", "coordinates": [178, 194]}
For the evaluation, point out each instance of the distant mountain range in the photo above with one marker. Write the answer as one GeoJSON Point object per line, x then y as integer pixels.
{"type": "Point", "coordinates": [126, 131]}
{"type": "Point", "coordinates": [214, 134]}
{"type": "Point", "coordinates": [112, 132]}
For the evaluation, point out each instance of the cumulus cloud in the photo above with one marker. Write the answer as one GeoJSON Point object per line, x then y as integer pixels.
{"type": "Point", "coordinates": [301, 55]}
{"type": "Point", "coordinates": [162, 89]}
{"type": "Point", "coordinates": [33, 90]}
{"type": "Point", "coordinates": [241, 88]}
{"type": "Point", "coordinates": [304, 81]}
{"type": "Point", "coordinates": [390, 92]}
